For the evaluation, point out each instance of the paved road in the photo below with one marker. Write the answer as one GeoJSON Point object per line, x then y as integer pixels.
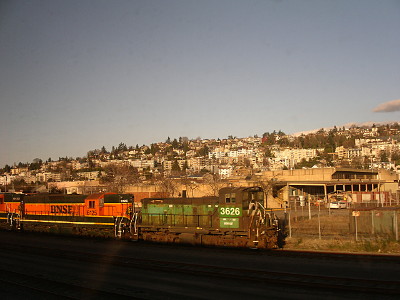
{"type": "Point", "coordinates": [45, 267]}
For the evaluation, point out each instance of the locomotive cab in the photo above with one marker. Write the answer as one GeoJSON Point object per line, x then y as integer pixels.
{"type": "Point", "coordinates": [94, 205]}
{"type": "Point", "coordinates": [242, 213]}
{"type": "Point", "coordinates": [236, 203]}
{"type": "Point", "coordinates": [2, 203]}
{"type": "Point", "coordinates": [245, 198]}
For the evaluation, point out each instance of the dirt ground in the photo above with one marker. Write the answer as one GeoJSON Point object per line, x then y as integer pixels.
{"type": "Point", "coordinates": [331, 232]}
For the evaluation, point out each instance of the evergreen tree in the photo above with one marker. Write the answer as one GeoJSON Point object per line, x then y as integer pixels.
{"type": "Point", "coordinates": [103, 150]}
{"type": "Point", "coordinates": [175, 166]}
{"type": "Point", "coordinates": [175, 144]}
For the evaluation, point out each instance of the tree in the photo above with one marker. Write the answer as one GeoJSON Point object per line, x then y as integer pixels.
{"type": "Point", "coordinates": [204, 151]}
{"type": "Point", "coordinates": [168, 186]}
{"type": "Point", "coordinates": [268, 186]}
{"type": "Point", "coordinates": [183, 139]}
{"type": "Point", "coordinates": [185, 166]}
{"type": "Point", "coordinates": [21, 165]}
{"type": "Point", "coordinates": [154, 149]}
{"type": "Point", "coordinates": [7, 169]}
{"type": "Point", "coordinates": [396, 157]}
{"type": "Point", "coordinates": [175, 144]}
{"type": "Point", "coordinates": [383, 156]}
{"type": "Point", "coordinates": [122, 147]}
{"type": "Point", "coordinates": [118, 177]}
{"type": "Point", "coordinates": [186, 147]}
{"type": "Point", "coordinates": [36, 164]}
{"type": "Point", "coordinates": [91, 164]}
{"type": "Point", "coordinates": [306, 163]}
{"type": "Point", "coordinates": [214, 182]}
{"type": "Point", "coordinates": [190, 185]}
{"type": "Point", "coordinates": [175, 167]}
{"type": "Point", "coordinates": [103, 150]}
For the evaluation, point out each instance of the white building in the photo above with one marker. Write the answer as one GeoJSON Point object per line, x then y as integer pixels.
{"type": "Point", "coordinates": [292, 157]}
{"type": "Point", "coordinates": [225, 172]}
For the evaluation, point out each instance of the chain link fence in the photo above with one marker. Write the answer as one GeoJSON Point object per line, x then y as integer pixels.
{"type": "Point", "coordinates": [314, 217]}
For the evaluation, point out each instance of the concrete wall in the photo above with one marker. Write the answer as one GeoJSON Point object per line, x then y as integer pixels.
{"type": "Point", "coordinates": [387, 175]}
{"type": "Point", "coordinates": [301, 175]}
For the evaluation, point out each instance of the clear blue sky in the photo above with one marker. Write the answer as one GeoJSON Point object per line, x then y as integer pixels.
{"type": "Point", "coordinates": [77, 75]}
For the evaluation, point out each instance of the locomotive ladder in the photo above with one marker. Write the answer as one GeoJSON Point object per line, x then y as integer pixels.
{"type": "Point", "coordinates": [13, 219]}
{"type": "Point", "coordinates": [118, 227]}
{"type": "Point", "coordinates": [134, 221]}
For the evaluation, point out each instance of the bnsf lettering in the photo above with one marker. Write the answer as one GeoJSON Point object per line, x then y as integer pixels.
{"type": "Point", "coordinates": [61, 209]}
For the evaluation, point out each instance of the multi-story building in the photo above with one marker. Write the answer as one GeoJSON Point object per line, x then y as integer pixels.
{"type": "Point", "coordinates": [291, 157]}
{"type": "Point", "coordinates": [46, 176]}
{"type": "Point", "coordinates": [138, 163]}
{"type": "Point", "coordinates": [93, 175]}
{"type": "Point", "coordinates": [348, 153]}
{"type": "Point", "coordinates": [225, 172]}
{"type": "Point", "coordinates": [18, 170]}
{"type": "Point", "coordinates": [198, 163]}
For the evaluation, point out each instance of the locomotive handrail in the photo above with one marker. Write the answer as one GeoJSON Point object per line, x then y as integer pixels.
{"type": "Point", "coordinates": [134, 221]}
{"type": "Point", "coordinates": [197, 219]}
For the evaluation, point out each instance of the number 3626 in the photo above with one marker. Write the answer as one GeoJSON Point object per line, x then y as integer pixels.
{"type": "Point", "coordinates": [230, 211]}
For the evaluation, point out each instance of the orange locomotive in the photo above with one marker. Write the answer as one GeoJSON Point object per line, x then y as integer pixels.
{"type": "Point", "coordinates": [103, 214]}
{"type": "Point", "coordinates": [9, 209]}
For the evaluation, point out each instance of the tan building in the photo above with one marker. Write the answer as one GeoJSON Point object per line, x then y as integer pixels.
{"type": "Point", "coordinates": [319, 183]}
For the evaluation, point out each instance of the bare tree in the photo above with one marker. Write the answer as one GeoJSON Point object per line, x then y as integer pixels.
{"type": "Point", "coordinates": [214, 182]}
{"type": "Point", "coordinates": [118, 177]}
{"type": "Point", "coordinates": [168, 186]}
{"type": "Point", "coordinates": [268, 186]}
{"type": "Point", "coordinates": [189, 184]}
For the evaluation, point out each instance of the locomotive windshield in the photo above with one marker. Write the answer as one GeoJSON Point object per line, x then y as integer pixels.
{"type": "Point", "coordinates": [252, 197]}
{"type": "Point", "coordinates": [230, 198]}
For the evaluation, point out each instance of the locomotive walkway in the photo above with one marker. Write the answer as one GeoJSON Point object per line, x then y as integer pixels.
{"type": "Point", "coordinates": [71, 268]}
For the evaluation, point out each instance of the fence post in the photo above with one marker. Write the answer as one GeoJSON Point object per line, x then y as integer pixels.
{"type": "Point", "coordinates": [396, 227]}
{"type": "Point", "coordinates": [356, 214]}
{"type": "Point", "coordinates": [319, 222]}
{"type": "Point", "coordinates": [355, 220]}
{"type": "Point", "coordinates": [373, 221]}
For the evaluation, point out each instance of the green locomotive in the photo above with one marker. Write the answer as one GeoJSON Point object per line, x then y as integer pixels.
{"type": "Point", "coordinates": [235, 218]}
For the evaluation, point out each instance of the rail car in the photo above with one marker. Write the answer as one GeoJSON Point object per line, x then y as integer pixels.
{"type": "Point", "coordinates": [104, 214]}
{"type": "Point", "coordinates": [235, 218]}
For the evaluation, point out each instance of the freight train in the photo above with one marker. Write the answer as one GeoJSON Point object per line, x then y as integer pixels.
{"type": "Point", "coordinates": [235, 218]}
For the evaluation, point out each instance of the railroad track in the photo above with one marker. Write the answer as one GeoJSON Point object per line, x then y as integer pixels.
{"type": "Point", "coordinates": [284, 279]}
{"type": "Point", "coordinates": [45, 288]}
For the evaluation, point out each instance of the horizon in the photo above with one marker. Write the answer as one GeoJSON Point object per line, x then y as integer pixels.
{"type": "Point", "coordinates": [347, 126]}
{"type": "Point", "coordinates": [84, 74]}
